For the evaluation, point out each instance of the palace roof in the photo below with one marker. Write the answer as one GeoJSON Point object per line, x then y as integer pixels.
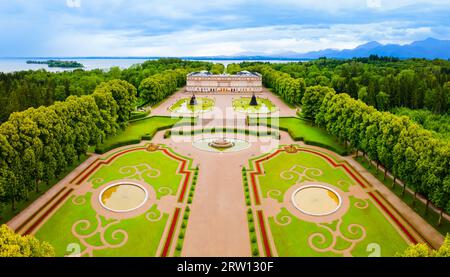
{"type": "Point", "coordinates": [205, 73]}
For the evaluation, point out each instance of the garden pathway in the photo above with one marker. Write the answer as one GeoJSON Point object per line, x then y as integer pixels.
{"type": "Point", "coordinates": [218, 221]}
{"type": "Point", "coordinates": [218, 224]}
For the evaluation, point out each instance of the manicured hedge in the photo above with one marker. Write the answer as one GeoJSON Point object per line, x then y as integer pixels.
{"type": "Point", "coordinates": [214, 130]}
{"type": "Point", "coordinates": [146, 136]}
{"type": "Point", "coordinates": [186, 214]}
{"type": "Point", "coordinates": [104, 149]}
{"type": "Point", "coordinates": [138, 115]}
{"type": "Point", "coordinates": [267, 121]}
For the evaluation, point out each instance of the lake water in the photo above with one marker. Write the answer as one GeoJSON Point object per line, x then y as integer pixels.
{"type": "Point", "coordinates": [16, 64]}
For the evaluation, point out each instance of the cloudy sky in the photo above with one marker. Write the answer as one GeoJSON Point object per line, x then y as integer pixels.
{"type": "Point", "coordinates": [211, 27]}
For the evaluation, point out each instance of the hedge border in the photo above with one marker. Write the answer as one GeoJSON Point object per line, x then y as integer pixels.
{"type": "Point", "coordinates": [250, 218]}
{"type": "Point", "coordinates": [138, 115]}
{"type": "Point", "coordinates": [186, 214]}
{"type": "Point", "coordinates": [148, 136]}
{"type": "Point", "coordinates": [215, 130]}
{"type": "Point", "coordinates": [248, 200]}
{"type": "Point", "coordinates": [295, 138]}
{"type": "Point", "coordinates": [252, 233]}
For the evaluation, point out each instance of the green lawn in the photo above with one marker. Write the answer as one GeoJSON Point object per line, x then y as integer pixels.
{"type": "Point", "coordinates": [274, 167]}
{"type": "Point", "coordinates": [144, 235]}
{"type": "Point", "coordinates": [139, 114]}
{"type": "Point", "coordinates": [300, 129]}
{"type": "Point", "coordinates": [157, 161]}
{"type": "Point", "coordinates": [182, 106]}
{"type": "Point", "coordinates": [139, 129]}
{"type": "Point", "coordinates": [264, 105]}
{"type": "Point", "coordinates": [293, 239]}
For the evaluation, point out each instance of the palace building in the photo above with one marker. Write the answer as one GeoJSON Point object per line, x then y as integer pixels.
{"type": "Point", "coordinates": [243, 81]}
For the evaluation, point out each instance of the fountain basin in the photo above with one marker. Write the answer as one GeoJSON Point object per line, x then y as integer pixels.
{"type": "Point", "coordinates": [220, 145]}
{"type": "Point", "coordinates": [316, 200]}
{"type": "Point", "coordinates": [123, 197]}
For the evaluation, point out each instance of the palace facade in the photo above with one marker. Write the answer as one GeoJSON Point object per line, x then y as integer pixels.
{"type": "Point", "coordinates": [243, 81]}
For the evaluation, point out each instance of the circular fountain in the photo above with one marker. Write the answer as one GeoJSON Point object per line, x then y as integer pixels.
{"type": "Point", "coordinates": [316, 200]}
{"type": "Point", "coordinates": [123, 197]}
{"type": "Point", "coordinates": [221, 143]}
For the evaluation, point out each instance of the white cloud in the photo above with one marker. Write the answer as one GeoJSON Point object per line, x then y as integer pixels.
{"type": "Point", "coordinates": [335, 6]}
{"type": "Point", "coordinates": [213, 27]}
{"type": "Point", "coordinates": [200, 42]}
{"type": "Point", "coordinates": [374, 4]}
{"type": "Point", "coordinates": [73, 3]}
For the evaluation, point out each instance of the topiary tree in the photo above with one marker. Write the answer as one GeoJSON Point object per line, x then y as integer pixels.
{"type": "Point", "coordinates": [179, 246]}
{"type": "Point", "coordinates": [255, 252]}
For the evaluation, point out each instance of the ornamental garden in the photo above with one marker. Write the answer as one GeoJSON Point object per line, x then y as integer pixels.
{"type": "Point", "coordinates": [307, 202]}
{"type": "Point", "coordinates": [102, 217]}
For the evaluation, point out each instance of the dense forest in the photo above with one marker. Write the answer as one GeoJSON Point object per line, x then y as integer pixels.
{"type": "Point", "coordinates": [439, 123]}
{"type": "Point", "coordinates": [351, 100]}
{"type": "Point", "coordinates": [408, 151]}
{"type": "Point", "coordinates": [38, 144]}
{"type": "Point", "coordinates": [24, 89]}
{"type": "Point", "coordinates": [384, 83]}
{"type": "Point", "coordinates": [421, 88]}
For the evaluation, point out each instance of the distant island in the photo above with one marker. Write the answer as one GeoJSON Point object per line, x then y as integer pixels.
{"type": "Point", "coordinates": [55, 63]}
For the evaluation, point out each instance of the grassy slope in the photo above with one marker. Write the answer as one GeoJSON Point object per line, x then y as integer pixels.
{"type": "Point", "coordinates": [291, 240]}
{"type": "Point", "coordinates": [137, 129]}
{"type": "Point", "coordinates": [300, 128]}
{"type": "Point", "coordinates": [143, 235]}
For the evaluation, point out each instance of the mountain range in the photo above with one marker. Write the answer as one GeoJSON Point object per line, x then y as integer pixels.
{"type": "Point", "coordinates": [429, 48]}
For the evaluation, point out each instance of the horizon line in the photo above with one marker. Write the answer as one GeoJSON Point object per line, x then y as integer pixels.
{"type": "Point", "coordinates": [220, 57]}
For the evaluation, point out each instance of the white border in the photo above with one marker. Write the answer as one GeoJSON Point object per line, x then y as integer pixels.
{"type": "Point", "coordinates": [123, 183]}
{"type": "Point", "coordinates": [316, 186]}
